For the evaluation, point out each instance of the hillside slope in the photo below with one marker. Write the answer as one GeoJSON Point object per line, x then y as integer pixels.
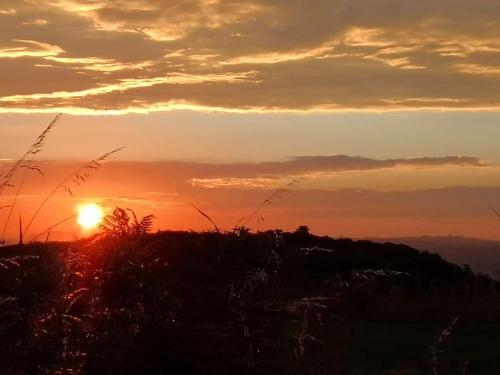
{"type": "Point", "coordinates": [265, 303]}
{"type": "Point", "coordinates": [482, 255]}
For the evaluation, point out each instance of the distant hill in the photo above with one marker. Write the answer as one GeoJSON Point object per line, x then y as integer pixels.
{"type": "Point", "coordinates": [481, 255]}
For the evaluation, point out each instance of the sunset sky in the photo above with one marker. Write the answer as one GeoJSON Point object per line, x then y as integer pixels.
{"type": "Point", "coordinates": [385, 113]}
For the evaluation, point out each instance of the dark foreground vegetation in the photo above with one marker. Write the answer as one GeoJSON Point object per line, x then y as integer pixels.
{"type": "Point", "coordinates": [242, 303]}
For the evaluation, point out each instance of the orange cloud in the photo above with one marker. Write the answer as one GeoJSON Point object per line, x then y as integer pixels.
{"type": "Point", "coordinates": [29, 48]}
{"type": "Point", "coordinates": [7, 12]}
{"type": "Point", "coordinates": [372, 55]}
{"type": "Point", "coordinates": [130, 84]}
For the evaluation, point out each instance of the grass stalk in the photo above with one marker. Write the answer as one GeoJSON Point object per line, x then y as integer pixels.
{"type": "Point", "coordinates": [34, 149]}
{"type": "Point", "coordinates": [24, 162]}
{"type": "Point", "coordinates": [206, 217]}
{"type": "Point", "coordinates": [49, 229]}
{"type": "Point", "coordinates": [242, 222]}
{"type": "Point", "coordinates": [78, 176]}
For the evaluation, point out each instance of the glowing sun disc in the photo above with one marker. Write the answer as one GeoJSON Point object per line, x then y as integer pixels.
{"type": "Point", "coordinates": [89, 216]}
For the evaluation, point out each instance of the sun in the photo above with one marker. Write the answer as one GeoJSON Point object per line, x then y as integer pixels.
{"type": "Point", "coordinates": [89, 216]}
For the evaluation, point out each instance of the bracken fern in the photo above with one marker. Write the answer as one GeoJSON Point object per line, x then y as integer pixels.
{"type": "Point", "coordinates": [121, 224]}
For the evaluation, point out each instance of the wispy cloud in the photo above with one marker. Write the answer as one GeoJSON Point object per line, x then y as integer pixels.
{"type": "Point", "coordinates": [478, 69]}
{"type": "Point", "coordinates": [333, 163]}
{"type": "Point", "coordinates": [36, 22]}
{"type": "Point", "coordinates": [270, 175]}
{"type": "Point", "coordinates": [130, 84]}
{"type": "Point", "coordinates": [29, 48]}
{"type": "Point", "coordinates": [7, 12]}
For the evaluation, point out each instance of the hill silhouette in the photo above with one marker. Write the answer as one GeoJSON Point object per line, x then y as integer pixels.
{"type": "Point", "coordinates": [223, 303]}
{"type": "Point", "coordinates": [481, 255]}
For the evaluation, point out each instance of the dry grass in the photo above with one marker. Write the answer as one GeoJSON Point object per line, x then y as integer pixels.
{"type": "Point", "coordinates": [206, 216]}
{"type": "Point", "coordinates": [49, 229]}
{"type": "Point", "coordinates": [435, 348]}
{"type": "Point", "coordinates": [241, 224]}
{"type": "Point", "coordinates": [28, 156]}
{"type": "Point", "coordinates": [24, 162]}
{"type": "Point", "coordinates": [76, 177]}
{"type": "Point", "coordinates": [276, 194]}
